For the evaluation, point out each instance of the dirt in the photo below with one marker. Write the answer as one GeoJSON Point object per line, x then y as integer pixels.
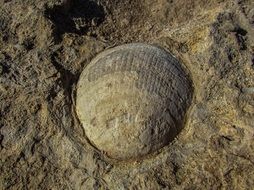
{"type": "Point", "coordinates": [44, 46]}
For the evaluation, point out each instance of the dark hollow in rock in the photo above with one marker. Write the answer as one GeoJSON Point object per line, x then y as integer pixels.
{"type": "Point", "coordinates": [75, 16]}
{"type": "Point", "coordinates": [132, 100]}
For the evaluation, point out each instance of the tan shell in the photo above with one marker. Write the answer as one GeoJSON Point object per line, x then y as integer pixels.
{"type": "Point", "coordinates": [132, 99]}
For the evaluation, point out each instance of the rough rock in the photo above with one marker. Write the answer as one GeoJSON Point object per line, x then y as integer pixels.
{"type": "Point", "coordinates": [45, 45]}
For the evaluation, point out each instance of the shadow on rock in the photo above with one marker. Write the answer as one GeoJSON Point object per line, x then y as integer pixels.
{"type": "Point", "coordinates": [75, 16]}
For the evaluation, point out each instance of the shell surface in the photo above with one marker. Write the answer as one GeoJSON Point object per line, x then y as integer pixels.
{"type": "Point", "coordinates": [132, 100]}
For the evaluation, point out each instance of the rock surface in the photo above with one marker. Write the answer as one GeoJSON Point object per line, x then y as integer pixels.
{"type": "Point", "coordinates": [44, 46]}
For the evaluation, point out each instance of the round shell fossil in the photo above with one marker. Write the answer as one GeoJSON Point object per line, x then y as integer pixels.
{"type": "Point", "coordinates": [132, 100]}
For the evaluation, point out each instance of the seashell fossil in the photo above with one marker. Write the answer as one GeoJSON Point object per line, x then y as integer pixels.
{"type": "Point", "coordinates": [132, 100]}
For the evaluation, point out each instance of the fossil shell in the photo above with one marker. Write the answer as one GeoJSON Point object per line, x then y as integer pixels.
{"type": "Point", "coordinates": [132, 100]}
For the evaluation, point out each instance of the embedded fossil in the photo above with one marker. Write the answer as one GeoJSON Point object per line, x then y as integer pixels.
{"type": "Point", "coordinates": [132, 100]}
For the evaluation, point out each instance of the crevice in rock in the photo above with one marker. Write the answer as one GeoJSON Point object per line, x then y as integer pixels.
{"type": "Point", "coordinates": [240, 34]}
{"type": "Point", "coordinates": [76, 17]}
{"type": "Point", "coordinates": [66, 82]}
